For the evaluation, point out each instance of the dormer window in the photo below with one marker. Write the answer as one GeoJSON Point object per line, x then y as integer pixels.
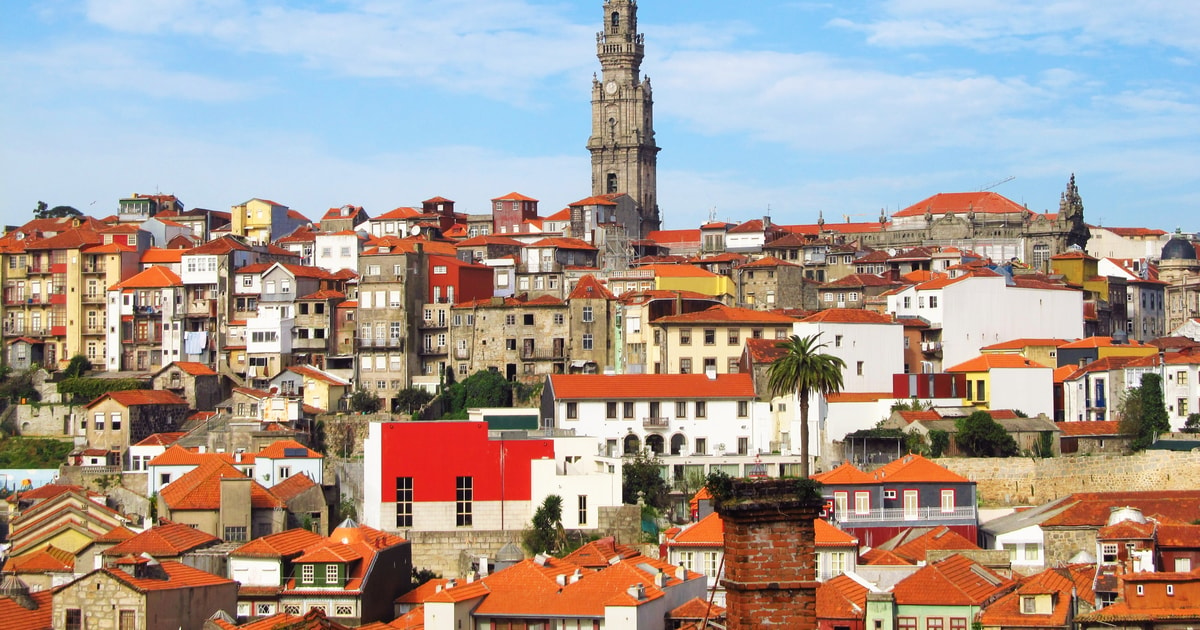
{"type": "Point", "coordinates": [1028, 604]}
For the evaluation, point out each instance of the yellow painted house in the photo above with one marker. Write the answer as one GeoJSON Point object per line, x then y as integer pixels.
{"type": "Point", "coordinates": [1103, 348]}
{"type": "Point", "coordinates": [692, 278]}
{"type": "Point", "coordinates": [1081, 270]}
{"type": "Point", "coordinates": [1044, 351]}
{"type": "Point", "coordinates": [1008, 381]}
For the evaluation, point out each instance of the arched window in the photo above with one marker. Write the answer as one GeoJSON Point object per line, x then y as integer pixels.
{"type": "Point", "coordinates": [611, 185]}
{"type": "Point", "coordinates": [655, 444]}
{"type": "Point", "coordinates": [677, 442]}
{"type": "Point", "coordinates": [616, 20]}
{"type": "Point", "coordinates": [632, 444]}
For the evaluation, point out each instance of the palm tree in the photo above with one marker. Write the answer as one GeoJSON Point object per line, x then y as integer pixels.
{"type": "Point", "coordinates": [804, 369]}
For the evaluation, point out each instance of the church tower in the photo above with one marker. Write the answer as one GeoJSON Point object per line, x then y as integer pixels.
{"type": "Point", "coordinates": [624, 156]}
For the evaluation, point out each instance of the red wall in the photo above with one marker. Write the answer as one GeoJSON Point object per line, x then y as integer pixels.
{"type": "Point", "coordinates": [434, 454]}
{"type": "Point", "coordinates": [939, 385]}
{"type": "Point", "coordinates": [470, 283]}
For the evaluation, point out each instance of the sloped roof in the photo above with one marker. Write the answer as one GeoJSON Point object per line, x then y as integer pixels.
{"type": "Point", "coordinates": [679, 271]}
{"type": "Point", "coordinates": [179, 576]}
{"type": "Point", "coordinates": [165, 539]}
{"type": "Point", "coordinates": [288, 449]}
{"type": "Point", "coordinates": [200, 489]}
{"type": "Point", "coordinates": [1021, 344]}
{"type": "Point", "coordinates": [136, 397]}
{"type": "Point", "coordinates": [17, 617]}
{"type": "Point", "coordinates": [849, 316]}
{"type": "Point", "coordinates": [985, 362]}
{"type": "Point", "coordinates": [49, 559]}
{"type": "Point", "coordinates": [598, 554]}
{"type": "Point", "coordinates": [1091, 509]}
{"type": "Point", "coordinates": [286, 543]}
{"type": "Point", "coordinates": [722, 314]}
{"type": "Point", "coordinates": [152, 278]}
{"type": "Point", "coordinates": [1078, 429]}
{"type": "Point", "coordinates": [292, 487]}
{"type": "Point", "coordinates": [916, 542]}
{"type": "Point", "coordinates": [194, 368]}
{"type": "Point", "coordinates": [764, 350]}
{"type": "Point", "coordinates": [1007, 612]}
{"type": "Point", "coordinates": [318, 374]}
{"type": "Point", "coordinates": [962, 203]}
{"type": "Point", "coordinates": [841, 597]}
{"type": "Point", "coordinates": [589, 288]}
{"type": "Point", "coordinates": [952, 581]}
{"type": "Point", "coordinates": [218, 246]}
{"type": "Point", "coordinates": [650, 386]}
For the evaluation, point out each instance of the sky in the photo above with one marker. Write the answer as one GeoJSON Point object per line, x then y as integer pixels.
{"type": "Point", "coordinates": [765, 107]}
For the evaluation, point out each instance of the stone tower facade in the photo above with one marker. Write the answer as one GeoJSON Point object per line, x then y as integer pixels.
{"type": "Point", "coordinates": [624, 155]}
{"type": "Point", "coordinates": [770, 556]}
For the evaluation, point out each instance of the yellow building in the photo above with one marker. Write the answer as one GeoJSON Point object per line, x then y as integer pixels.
{"type": "Point", "coordinates": [262, 221]}
{"type": "Point", "coordinates": [1044, 351]}
{"type": "Point", "coordinates": [1008, 381]}
{"type": "Point", "coordinates": [691, 343]}
{"type": "Point", "coordinates": [694, 279]}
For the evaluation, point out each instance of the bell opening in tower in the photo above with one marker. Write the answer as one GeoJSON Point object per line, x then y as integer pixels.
{"type": "Point", "coordinates": [611, 187]}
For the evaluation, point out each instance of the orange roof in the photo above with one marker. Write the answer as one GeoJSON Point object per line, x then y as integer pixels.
{"type": "Point", "coordinates": [962, 203]}
{"type": "Point", "coordinates": [165, 539]}
{"type": "Point", "coordinates": [696, 608]}
{"type": "Point", "coordinates": [877, 556]}
{"type": "Point", "coordinates": [222, 245]}
{"type": "Point", "coordinates": [679, 271]}
{"type": "Point", "coordinates": [826, 535]}
{"type": "Point", "coordinates": [1007, 612]}
{"type": "Point", "coordinates": [674, 236]}
{"type": "Point", "coordinates": [1091, 509]}
{"type": "Point", "coordinates": [514, 196]}
{"type": "Point", "coordinates": [17, 617]}
{"type": "Point", "coordinates": [564, 243]}
{"type": "Point", "coordinates": [849, 316]}
{"type": "Point", "coordinates": [915, 468]}
{"type": "Point", "coordinates": [194, 368]}
{"type": "Point", "coordinates": [952, 581]}
{"type": "Point", "coordinates": [289, 449]}
{"type": "Point", "coordinates": [707, 532]}
{"type": "Point", "coordinates": [915, 543]}
{"type": "Point", "coordinates": [178, 576]}
{"type": "Point", "coordinates": [846, 473]}
{"type": "Point", "coordinates": [597, 200]}
{"type": "Point", "coordinates": [317, 374]}
{"type": "Point", "coordinates": [286, 543]}
{"type": "Point", "coordinates": [985, 362]}
{"type": "Point", "coordinates": [855, 397]}
{"type": "Point", "coordinates": [292, 487]}
{"type": "Point", "coordinates": [768, 261]}
{"type": "Point", "coordinates": [598, 554]}
{"type": "Point", "coordinates": [158, 255]}
{"type": "Point", "coordinates": [589, 288]}
{"type": "Point", "coordinates": [48, 559]}
{"type": "Point", "coordinates": [152, 278]}
{"type": "Point", "coordinates": [764, 350]}
{"type": "Point", "coordinates": [841, 598]}
{"type": "Point", "coordinates": [1021, 344]}
{"type": "Point", "coordinates": [135, 397]}
{"type": "Point", "coordinates": [200, 489]}
{"type": "Point", "coordinates": [650, 386]}
{"type": "Point", "coordinates": [721, 314]}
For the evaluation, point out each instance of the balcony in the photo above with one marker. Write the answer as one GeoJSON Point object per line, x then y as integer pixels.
{"type": "Point", "coordinates": [427, 324]}
{"type": "Point", "coordinates": [657, 423]}
{"type": "Point", "coordinates": [202, 307]}
{"type": "Point", "coordinates": [93, 298]}
{"type": "Point", "coordinates": [921, 514]}
{"type": "Point", "coordinates": [93, 268]}
{"type": "Point", "coordinates": [931, 347]}
{"type": "Point", "coordinates": [432, 350]}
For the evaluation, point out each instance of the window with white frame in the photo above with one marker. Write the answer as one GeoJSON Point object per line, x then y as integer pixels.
{"type": "Point", "coordinates": [947, 500]}
{"type": "Point", "coordinates": [862, 502]}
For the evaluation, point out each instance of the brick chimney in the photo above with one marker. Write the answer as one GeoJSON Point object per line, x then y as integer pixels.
{"type": "Point", "coordinates": [770, 561]}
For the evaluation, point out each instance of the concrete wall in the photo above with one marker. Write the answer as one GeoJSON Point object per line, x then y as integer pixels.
{"type": "Point", "coordinates": [43, 420]}
{"type": "Point", "coordinates": [1026, 481]}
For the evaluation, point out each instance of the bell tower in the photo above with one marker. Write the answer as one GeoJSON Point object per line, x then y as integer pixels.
{"type": "Point", "coordinates": [624, 155]}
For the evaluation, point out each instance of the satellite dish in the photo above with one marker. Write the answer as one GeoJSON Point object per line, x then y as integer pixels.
{"type": "Point", "coordinates": [415, 230]}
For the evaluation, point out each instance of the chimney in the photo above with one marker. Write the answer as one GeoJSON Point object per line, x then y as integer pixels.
{"type": "Point", "coordinates": [660, 579]}
{"type": "Point", "coordinates": [483, 566]}
{"type": "Point", "coordinates": [470, 577]}
{"type": "Point", "coordinates": [561, 579]}
{"type": "Point", "coordinates": [637, 591]}
{"type": "Point", "coordinates": [576, 575]}
{"type": "Point", "coordinates": [711, 372]}
{"type": "Point", "coordinates": [681, 574]}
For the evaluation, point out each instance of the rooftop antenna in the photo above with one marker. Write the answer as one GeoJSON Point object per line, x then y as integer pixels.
{"type": "Point", "coordinates": [995, 184]}
{"type": "Point", "coordinates": [712, 214]}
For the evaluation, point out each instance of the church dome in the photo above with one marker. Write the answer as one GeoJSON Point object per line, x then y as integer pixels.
{"type": "Point", "coordinates": [1178, 248]}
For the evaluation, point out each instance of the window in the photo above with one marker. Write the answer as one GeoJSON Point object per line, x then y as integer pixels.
{"type": "Point", "coordinates": [610, 410]}
{"type": "Point", "coordinates": [947, 501]}
{"type": "Point", "coordinates": [734, 338]}
{"type": "Point", "coordinates": [307, 573]}
{"type": "Point", "coordinates": [99, 422]}
{"type": "Point", "coordinates": [464, 493]}
{"type": "Point", "coordinates": [743, 447]}
{"type": "Point", "coordinates": [587, 341]}
{"type": "Point", "coordinates": [527, 319]}
{"type": "Point", "coordinates": [958, 623]}
{"type": "Point", "coordinates": [1108, 552]}
{"type": "Point", "coordinates": [710, 337]}
{"type": "Point", "coordinates": [906, 623]}
{"type": "Point", "coordinates": [572, 410]}
{"type": "Point", "coordinates": [685, 365]}
{"type": "Point", "coordinates": [404, 501]}
{"type": "Point", "coordinates": [235, 534]}
{"type": "Point", "coordinates": [681, 409]}
{"type": "Point", "coordinates": [558, 319]}
{"type": "Point", "coordinates": [933, 623]}
{"type": "Point", "coordinates": [1028, 604]}
{"type": "Point", "coordinates": [969, 397]}
{"type": "Point", "coordinates": [933, 301]}
{"type": "Point", "coordinates": [331, 573]}
{"type": "Point", "coordinates": [1141, 589]}
{"type": "Point", "coordinates": [911, 505]}
{"type": "Point", "coordinates": [711, 561]}
{"type": "Point", "coordinates": [980, 390]}
{"type": "Point", "coordinates": [1181, 406]}
{"type": "Point", "coordinates": [743, 408]}
{"type": "Point", "coordinates": [587, 315]}
{"type": "Point", "coordinates": [860, 368]}
{"type": "Point", "coordinates": [1181, 377]}
{"type": "Point", "coordinates": [344, 610]}
{"type": "Point", "coordinates": [837, 341]}
{"type": "Point", "coordinates": [263, 608]}
{"type": "Point", "coordinates": [701, 446]}
{"type": "Point", "coordinates": [889, 494]}
{"type": "Point", "coordinates": [115, 419]}
{"type": "Point", "coordinates": [74, 619]}
{"type": "Point", "coordinates": [1170, 589]}
{"type": "Point", "coordinates": [701, 409]}
{"type": "Point", "coordinates": [510, 320]}
{"type": "Point", "coordinates": [1032, 553]}
{"type": "Point", "coordinates": [839, 504]}
{"type": "Point", "coordinates": [627, 409]}
{"type": "Point", "coordinates": [862, 502]}
{"type": "Point", "coordinates": [583, 509]}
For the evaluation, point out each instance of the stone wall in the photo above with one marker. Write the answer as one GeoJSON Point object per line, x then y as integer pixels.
{"type": "Point", "coordinates": [1027, 481]}
{"type": "Point", "coordinates": [42, 420]}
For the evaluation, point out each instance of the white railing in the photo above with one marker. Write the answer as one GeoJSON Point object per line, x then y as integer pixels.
{"type": "Point", "coordinates": [960, 513]}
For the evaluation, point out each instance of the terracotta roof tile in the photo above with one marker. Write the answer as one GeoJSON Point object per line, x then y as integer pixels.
{"type": "Point", "coordinates": [961, 204]}
{"type": "Point", "coordinates": [135, 397]}
{"type": "Point", "coordinates": [841, 598]}
{"type": "Point", "coordinates": [985, 362]}
{"type": "Point", "coordinates": [589, 288]}
{"type": "Point", "coordinates": [1105, 427]}
{"type": "Point", "coordinates": [166, 539]}
{"type": "Point", "coordinates": [286, 543]}
{"type": "Point", "coordinates": [849, 316]}
{"type": "Point", "coordinates": [650, 386]}
{"type": "Point", "coordinates": [952, 581]}
{"type": "Point", "coordinates": [200, 489]}
{"type": "Point", "coordinates": [152, 278]}
{"type": "Point", "coordinates": [194, 368]}
{"type": "Point", "coordinates": [17, 617]}
{"type": "Point", "coordinates": [1092, 509]}
{"type": "Point", "coordinates": [178, 576]}
{"type": "Point", "coordinates": [291, 487]}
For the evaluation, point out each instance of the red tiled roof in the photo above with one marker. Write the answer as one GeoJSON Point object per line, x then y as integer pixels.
{"type": "Point", "coordinates": [916, 468]}
{"type": "Point", "coordinates": [849, 316]}
{"type": "Point", "coordinates": [318, 375]}
{"type": "Point", "coordinates": [856, 397]}
{"type": "Point", "coordinates": [222, 245]}
{"type": "Point", "coordinates": [721, 314]}
{"type": "Point", "coordinates": [564, 243]}
{"type": "Point", "coordinates": [1021, 344]}
{"type": "Point", "coordinates": [859, 280]}
{"type": "Point", "coordinates": [167, 539]}
{"type": "Point", "coordinates": [952, 581]}
{"type": "Point", "coordinates": [985, 362]}
{"type": "Point", "coordinates": [707, 532]}
{"type": "Point", "coordinates": [17, 617]}
{"type": "Point", "coordinates": [1091, 509]}
{"type": "Point", "coordinates": [598, 554]}
{"type": "Point", "coordinates": [841, 598]}
{"type": "Point", "coordinates": [1105, 427]}
{"type": "Point", "coordinates": [877, 556]}
{"type": "Point", "coordinates": [768, 262]}
{"type": "Point", "coordinates": [650, 386]}
{"type": "Point", "coordinates": [514, 196]}
{"type": "Point", "coordinates": [194, 368]}
{"type": "Point", "coordinates": [179, 576]}
{"type": "Point", "coordinates": [152, 278]}
{"type": "Point", "coordinates": [278, 450]}
{"type": "Point", "coordinates": [135, 397]}
{"type": "Point", "coordinates": [48, 559]}
{"type": "Point", "coordinates": [696, 608]}
{"type": "Point", "coordinates": [158, 255]}
{"type": "Point", "coordinates": [764, 350]}
{"type": "Point", "coordinates": [674, 236]}
{"type": "Point", "coordinates": [962, 203]}
{"type": "Point", "coordinates": [1105, 342]}
{"type": "Point", "coordinates": [1007, 612]}
{"type": "Point", "coordinates": [589, 288]}
{"type": "Point", "coordinates": [679, 271]}
{"type": "Point", "coordinates": [286, 543]}
{"type": "Point", "coordinates": [915, 544]}
{"type": "Point", "coordinates": [200, 489]}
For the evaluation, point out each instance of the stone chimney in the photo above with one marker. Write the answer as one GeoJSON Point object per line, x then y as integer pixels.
{"type": "Point", "coordinates": [770, 560]}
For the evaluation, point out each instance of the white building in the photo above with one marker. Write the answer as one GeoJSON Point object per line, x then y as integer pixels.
{"type": "Point", "coordinates": [337, 250]}
{"type": "Point", "coordinates": [1180, 372]}
{"type": "Point", "coordinates": [970, 312]}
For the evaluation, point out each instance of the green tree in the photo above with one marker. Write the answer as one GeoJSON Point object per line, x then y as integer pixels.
{"type": "Point", "coordinates": [485, 388]}
{"type": "Point", "coordinates": [980, 436]}
{"type": "Point", "coordinates": [913, 404]}
{"type": "Point", "coordinates": [1143, 413]}
{"type": "Point", "coordinates": [642, 472]}
{"type": "Point", "coordinates": [1192, 424]}
{"type": "Point", "coordinates": [78, 365]}
{"type": "Point", "coordinates": [364, 401]}
{"type": "Point", "coordinates": [803, 370]}
{"type": "Point", "coordinates": [57, 212]}
{"type": "Point", "coordinates": [410, 399]}
{"type": "Point", "coordinates": [939, 443]}
{"type": "Point", "coordinates": [546, 534]}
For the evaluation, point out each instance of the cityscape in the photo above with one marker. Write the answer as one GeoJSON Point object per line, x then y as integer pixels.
{"type": "Point", "coordinates": [960, 412]}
